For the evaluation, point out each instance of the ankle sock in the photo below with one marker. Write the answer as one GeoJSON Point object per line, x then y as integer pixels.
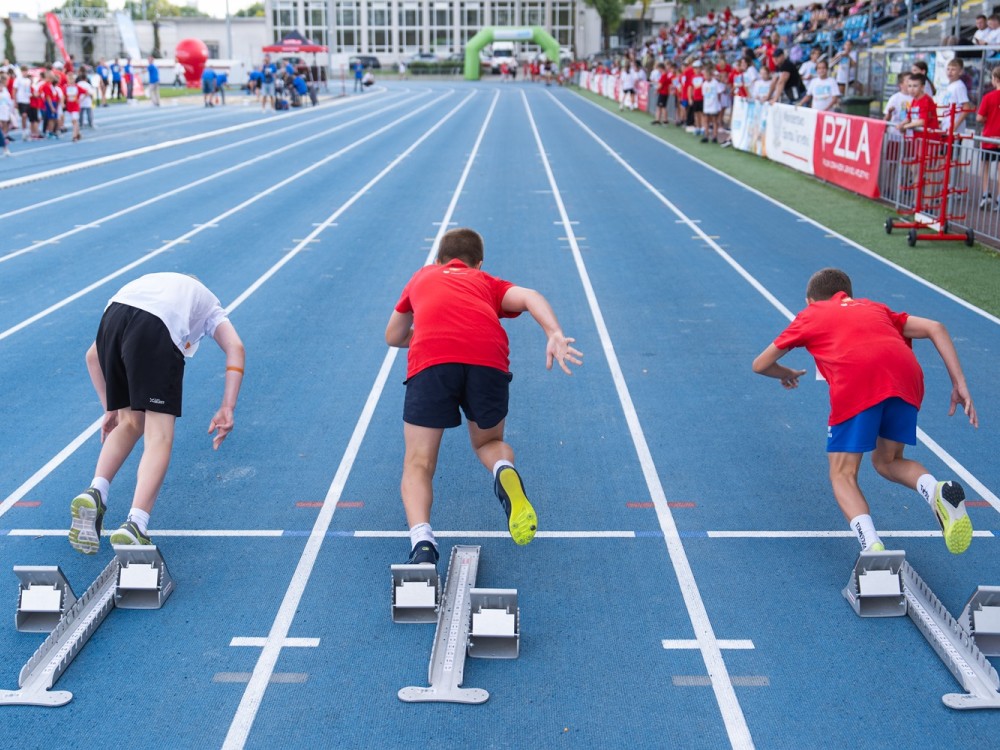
{"type": "Point", "coordinates": [140, 518]}
{"type": "Point", "coordinates": [864, 528]}
{"type": "Point", "coordinates": [926, 486]}
{"type": "Point", "coordinates": [422, 532]}
{"type": "Point", "coordinates": [500, 464]}
{"type": "Point", "coordinates": [103, 486]}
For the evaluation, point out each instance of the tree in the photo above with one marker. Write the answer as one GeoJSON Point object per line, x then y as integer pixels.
{"type": "Point", "coordinates": [150, 9]}
{"type": "Point", "coordinates": [610, 12]}
{"type": "Point", "coordinates": [86, 4]}
{"type": "Point", "coordinates": [8, 40]}
{"type": "Point", "coordinates": [254, 11]}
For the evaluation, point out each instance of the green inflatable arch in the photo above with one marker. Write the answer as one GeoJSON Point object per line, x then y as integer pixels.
{"type": "Point", "coordinates": [534, 34]}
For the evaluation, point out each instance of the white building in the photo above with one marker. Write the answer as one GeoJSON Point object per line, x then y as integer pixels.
{"type": "Point", "coordinates": [395, 29]}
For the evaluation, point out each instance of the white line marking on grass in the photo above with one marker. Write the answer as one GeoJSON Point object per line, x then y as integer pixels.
{"type": "Point", "coordinates": [692, 645]}
{"type": "Point", "coordinates": [935, 448]}
{"type": "Point", "coordinates": [40, 475]}
{"type": "Point", "coordinates": [132, 207]}
{"type": "Point", "coordinates": [183, 239]}
{"type": "Point", "coordinates": [194, 157]}
{"type": "Point", "coordinates": [729, 706]}
{"type": "Point", "coordinates": [803, 218]}
{"type": "Point", "coordinates": [245, 715]}
{"type": "Point", "coordinates": [14, 182]}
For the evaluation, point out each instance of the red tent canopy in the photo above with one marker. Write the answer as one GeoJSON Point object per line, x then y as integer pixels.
{"type": "Point", "coordinates": [295, 42]}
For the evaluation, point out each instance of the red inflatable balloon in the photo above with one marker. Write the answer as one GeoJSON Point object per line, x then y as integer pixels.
{"type": "Point", "coordinates": [192, 54]}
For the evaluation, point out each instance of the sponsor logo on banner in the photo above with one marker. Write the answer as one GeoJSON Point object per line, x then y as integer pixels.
{"type": "Point", "coordinates": [790, 134]}
{"type": "Point", "coordinates": [848, 150]}
{"type": "Point", "coordinates": [642, 94]}
{"type": "Point", "coordinates": [749, 125]}
{"type": "Point", "coordinates": [55, 31]}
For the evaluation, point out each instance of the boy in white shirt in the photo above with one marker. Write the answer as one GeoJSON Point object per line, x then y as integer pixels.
{"type": "Point", "coordinates": [760, 90]}
{"type": "Point", "coordinates": [627, 78]}
{"type": "Point", "coordinates": [712, 91]}
{"type": "Point", "coordinates": [899, 103]}
{"type": "Point", "coordinates": [136, 364]}
{"type": "Point", "coordinates": [822, 90]}
{"type": "Point", "coordinates": [955, 93]}
{"type": "Point", "coordinates": [807, 70]}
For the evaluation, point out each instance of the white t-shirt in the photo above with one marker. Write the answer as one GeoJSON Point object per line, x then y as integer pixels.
{"type": "Point", "coordinates": [899, 103]}
{"type": "Point", "coordinates": [22, 89]}
{"type": "Point", "coordinates": [185, 305]}
{"type": "Point", "coordinates": [993, 37]}
{"type": "Point", "coordinates": [628, 80]}
{"type": "Point", "coordinates": [86, 93]}
{"type": "Point", "coordinates": [760, 89]}
{"type": "Point", "coordinates": [956, 94]}
{"type": "Point", "coordinates": [6, 105]}
{"type": "Point", "coordinates": [847, 68]}
{"type": "Point", "coordinates": [824, 91]}
{"type": "Point", "coordinates": [980, 36]}
{"type": "Point", "coordinates": [712, 92]}
{"type": "Point", "coordinates": [807, 70]}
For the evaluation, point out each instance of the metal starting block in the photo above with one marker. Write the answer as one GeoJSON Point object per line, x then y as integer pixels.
{"type": "Point", "coordinates": [415, 593]}
{"type": "Point", "coordinates": [981, 619]}
{"type": "Point", "coordinates": [494, 632]}
{"type": "Point", "coordinates": [143, 579]}
{"type": "Point", "coordinates": [876, 588]}
{"type": "Point", "coordinates": [45, 595]}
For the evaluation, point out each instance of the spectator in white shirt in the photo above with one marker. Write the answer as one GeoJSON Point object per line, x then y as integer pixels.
{"type": "Point", "coordinates": [822, 90]}
{"type": "Point", "coordinates": [981, 30]}
{"type": "Point", "coordinates": [993, 31]}
{"type": "Point", "coordinates": [956, 93]}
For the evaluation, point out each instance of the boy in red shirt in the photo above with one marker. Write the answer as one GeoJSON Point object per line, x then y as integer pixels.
{"type": "Point", "coordinates": [989, 115]}
{"type": "Point", "coordinates": [71, 95]}
{"type": "Point", "coordinates": [923, 109]}
{"type": "Point", "coordinates": [663, 85]}
{"type": "Point", "coordinates": [449, 317]}
{"type": "Point", "coordinates": [864, 350]}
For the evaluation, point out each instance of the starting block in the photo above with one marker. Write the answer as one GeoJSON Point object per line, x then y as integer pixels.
{"type": "Point", "coordinates": [952, 642]}
{"type": "Point", "coordinates": [475, 622]}
{"type": "Point", "coordinates": [136, 578]}
{"type": "Point", "coordinates": [45, 595]}
{"type": "Point", "coordinates": [981, 619]}
{"type": "Point", "coordinates": [415, 593]}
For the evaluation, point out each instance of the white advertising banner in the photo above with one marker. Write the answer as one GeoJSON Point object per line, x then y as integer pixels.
{"type": "Point", "coordinates": [790, 136]}
{"type": "Point", "coordinates": [748, 126]}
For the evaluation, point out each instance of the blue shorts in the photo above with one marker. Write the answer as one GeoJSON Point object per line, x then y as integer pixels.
{"type": "Point", "coordinates": [435, 395]}
{"type": "Point", "coordinates": [892, 419]}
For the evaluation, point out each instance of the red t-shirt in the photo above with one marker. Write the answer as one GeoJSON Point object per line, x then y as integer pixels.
{"type": "Point", "coordinates": [46, 92]}
{"type": "Point", "coordinates": [924, 108]}
{"type": "Point", "coordinates": [71, 92]}
{"type": "Point", "coordinates": [860, 349]}
{"type": "Point", "coordinates": [456, 317]}
{"type": "Point", "coordinates": [989, 108]}
{"type": "Point", "coordinates": [695, 84]}
{"type": "Point", "coordinates": [664, 84]}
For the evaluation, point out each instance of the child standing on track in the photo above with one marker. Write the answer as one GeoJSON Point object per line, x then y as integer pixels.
{"type": "Point", "coordinates": [449, 317]}
{"type": "Point", "coordinates": [864, 350]}
{"type": "Point", "coordinates": [137, 367]}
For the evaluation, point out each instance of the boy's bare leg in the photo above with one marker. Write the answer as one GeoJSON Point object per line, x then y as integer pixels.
{"type": "Point", "coordinates": [489, 445]}
{"type": "Point", "coordinates": [419, 463]}
{"type": "Point", "coordinates": [887, 458]}
{"type": "Point", "coordinates": [158, 441]}
{"type": "Point", "coordinates": [120, 442]}
{"type": "Point", "coordinates": [844, 479]}
{"type": "Point", "coordinates": [498, 457]}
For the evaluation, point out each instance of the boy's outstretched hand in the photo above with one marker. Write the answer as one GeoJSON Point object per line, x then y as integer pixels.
{"type": "Point", "coordinates": [960, 395]}
{"type": "Point", "coordinates": [223, 422]}
{"type": "Point", "coordinates": [559, 349]}
{"type": "Point", "coordinates": [790, 379]}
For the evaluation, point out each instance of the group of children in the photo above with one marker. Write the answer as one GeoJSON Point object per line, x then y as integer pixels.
{"type": "Point", "coordinates": [448, 317]}
{"type": "Point", "coordinates": [44, 104]}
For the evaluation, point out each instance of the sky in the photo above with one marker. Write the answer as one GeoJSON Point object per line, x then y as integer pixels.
{"type": "Point", "coordinates": [38, 8]}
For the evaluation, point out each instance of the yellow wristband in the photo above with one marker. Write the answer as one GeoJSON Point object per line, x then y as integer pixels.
{"type": "Point", "coordinates": [235, 369]}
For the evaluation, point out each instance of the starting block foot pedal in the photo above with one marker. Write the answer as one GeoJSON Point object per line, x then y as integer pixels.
{"type": "Point", "coordinates": [44, 597]}
{"type": "Point", "coordinates": [143, 579]}
{"type": "Point", "coordinates": [981, 619]}
{"type": "Point", "coordinates": [876, 588]}
{"type": "Point", "coordinates": [416, 592]}
{"type": "Point", "coordinates": [494, 632]}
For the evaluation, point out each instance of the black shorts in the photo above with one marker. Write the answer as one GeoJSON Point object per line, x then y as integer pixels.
{"type": "Point", "coordinates": [698, 105]}
{"type": "Point", "coordinates": [989, 154]}
{"type": "Point", "coordinates": [142, 367]}
{"type": "Point", "coordinates": [434, 396]}
{"type": "Point", "coordinates": [32, 114]}
{"type": "Point", "coordinates": [662, 99]}
{"type": "Point", "coordinates": [22, 108]}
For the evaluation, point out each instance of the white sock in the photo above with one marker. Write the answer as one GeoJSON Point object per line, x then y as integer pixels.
{"type": "Point", "coordinates": [865, 529]}
{"type": "Point", "coordinates": [500, 464]}
{"type": "Point", "coordinates": [422, 532]}
{"type": "Point", "coordinates": [103, 486]}
{"type": "Point", "coordinates": [140, 518]}
{"type": "Point", "coordinates": [926, 486]}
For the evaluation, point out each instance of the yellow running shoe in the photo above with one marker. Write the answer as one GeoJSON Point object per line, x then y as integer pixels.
{"type": "Point", "coordinates": [88, 514]}
{"type": "Point", "coordinates": [521, 518]}
{"type": "Point", "coordinates": [877, 547]}
{"type": "Point", "coordinates": [949, 507]}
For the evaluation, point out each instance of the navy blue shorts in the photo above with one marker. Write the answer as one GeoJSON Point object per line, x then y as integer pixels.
{"type": "Point", "coordinates": [435, 395]}
{"type": "Point", "coordinates": [892, 419]}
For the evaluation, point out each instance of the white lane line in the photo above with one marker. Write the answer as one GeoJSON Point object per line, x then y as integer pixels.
{"type": "Point", "coordinates": [224, 215]}
{"type": "Point", "coordinates": [40, 475]}
{"type": "Point", "coordinates": [132, 207]}
{"type": "Point", "coordinates": [922, 436]}
{"type": "Point", "coordinates": [692, 645]}
{"type": "Point", "coordinates": [289, 642]}
{"type": "Point", "coordinates": [805, 219]}
{"type": "Point", "coordinates": [376, 534]}
{"type": "Point", "coordinates": [246, 713]}
{"type": "Point", "coordinates": [14, 182]}
{"type": "Point", "coordinates": [899, 534]}
{"type": "Point", "coordinates": [174, 163]}
{"type": "Point", "coordinates": [729, 705]}
{"type": "Point", "coordinates": [208, 533]}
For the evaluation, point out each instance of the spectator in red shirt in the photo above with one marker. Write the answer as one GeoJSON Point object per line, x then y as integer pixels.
{"type": "Point", "coordinates": [864, 350]}
{"type": "Point", "coordinates": [663, 85]}
{"type": "Point", "coordinates": [989, 115]}
{"type": "Point", "coordinates": [71, 95]}
{"type": "Point", "coordinates": [923, 110]}
{"type": "Point", "coordinates": [449, 317]}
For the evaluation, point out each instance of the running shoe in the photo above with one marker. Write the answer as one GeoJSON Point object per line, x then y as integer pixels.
{"type": "Point", "coordinates": [985, 202]}
{"type": "Point", "coordinates": [424, 553]}
{"type": "Point", "coordinates": [88, 516]}
{"type": "Point", "coordinates": [128, 533]}
{"type": "Point", "coordinates": [521, 518]}
{"type": "Point", "coordinates": [877, 547]}
{"type": "Point", "coordinates": [949, 507]}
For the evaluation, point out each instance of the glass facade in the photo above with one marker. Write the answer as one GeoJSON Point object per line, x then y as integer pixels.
{"type": "Point", "coordinates": [405, 27]}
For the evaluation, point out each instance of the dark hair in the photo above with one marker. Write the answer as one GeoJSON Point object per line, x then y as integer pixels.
{"type": "Point", "coordinates": [957, 61]}
{"type": "Point", "coordinates": [902, 77]}
{"type": "Point", "coordinates": [464, 244]}
{"type": "Point", "coordinates": [827, 282]}
{"type": "Point", "coordinates": [919, 77]}
{"type": "Point", "coordinates": [919, 64]}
